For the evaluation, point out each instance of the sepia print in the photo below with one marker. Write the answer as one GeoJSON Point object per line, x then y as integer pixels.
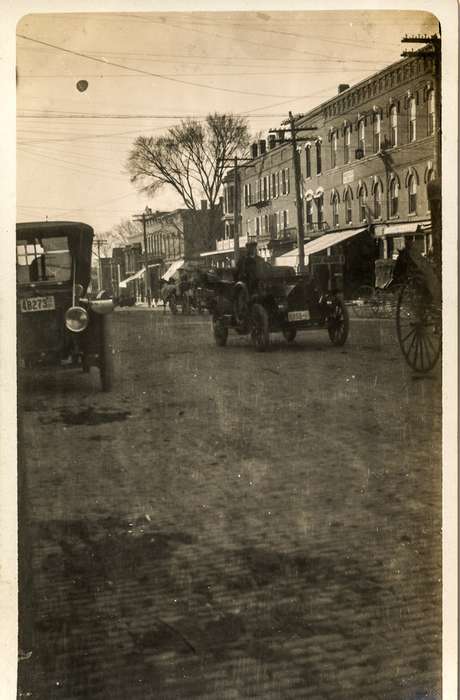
{"type": "Point", "coordinates": [229, 366]}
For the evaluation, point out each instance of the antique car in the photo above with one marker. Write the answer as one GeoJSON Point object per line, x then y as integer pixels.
{"type": "Point", "coordinates": [57, 324]}
{"type": "Point", "coordinates": [277, 300]}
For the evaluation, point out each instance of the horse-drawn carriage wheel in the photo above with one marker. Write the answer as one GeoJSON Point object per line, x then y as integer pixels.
{"type": "Point", "coordinates": [173, 304]}
{"type": "Point", "coordinates": [338, 323]}
{"type": "Point", "coordinates": [418, 326]}
{"type": "Point", "coordinates": [220, 331]}
{"type": "Point", "coordinates": [259, 328]}
{"type": "Point", "coordinates": [289, 334]}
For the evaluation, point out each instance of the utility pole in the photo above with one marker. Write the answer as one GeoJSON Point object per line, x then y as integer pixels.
{"type": "Point", "coordinates": [434, 52]}
{"type": "Point", "coordinates": [297, 177]}
{"type": "Point", "coordinates": [148, 295]}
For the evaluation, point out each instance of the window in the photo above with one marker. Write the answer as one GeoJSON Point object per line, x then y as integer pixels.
{"type": "Point", "coordinates": [274, 192]}
{"type": "Point", "coordinates": [43, 260]}
{"type": "Point", "coordinates": [257, 226]}
{"type": "Point", "coordinates": [431, 113]}
{"type": "Point", "coordinates": [309, 214]}
{"type": "Point", "coordinates": [412, 120]}
{"type": "Point", "coordinates": [394, 194]}
{"type": "Point", "coordinates": [308, 161]}
{"type": "Point", "coordinates": [283, 182]}
{"type": "Point", "coordinates": [348, 207]}
{"type": "Point", "coordinates": [278, 184]}
{"type": "Point", "coordinates": [362, 137]}
{"type": "Point", "coordinates": [265, 189]}
{"type": "Point", "coordinates": [320, 210]}
{"type": "Point", "coordinates": [362, 199]}
{"type": "Point", "coordinates": [318, 158]}
{"type": "Point", "coordinates": [335, 209]}
{"type": "Point", "coordinates": [229, 200]}
{"type": "Point", "coordinates": [394, 125]}
{"type": "Point", "coordinates": [247, 195]}
{"type": "Point", "coordinates": [265, 224]}
{"type": "Point", "coordinates": [429, 177]}
{"type": "Point", "coordinates": [346, 144]}
{"type": "Point", "coordinates": [285, 219]}
{"type": "Point", "coordinates": [334, 150]}
{"type": "Point", "coordinates": [376, 132]}
{"type": "Point", "coordinates": [378, 200]}
{"type": "Point", "coordinates": [412, 187]}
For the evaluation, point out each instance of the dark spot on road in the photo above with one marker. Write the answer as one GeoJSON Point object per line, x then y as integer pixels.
{"type": "Point", "coordinates": [91, 416]}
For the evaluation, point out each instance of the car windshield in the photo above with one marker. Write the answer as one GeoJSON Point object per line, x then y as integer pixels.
{"type": "Point", "coordinates": [43, 260]}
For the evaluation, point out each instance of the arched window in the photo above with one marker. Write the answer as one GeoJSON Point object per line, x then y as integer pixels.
{"type": "Point", "coordinates": [346, 144]}
{"type": "Point", "coordinates": [320, 210]}
{"type": "Point", "coordinates": [334, 150]}
{"type": "Point", "coordinates": [394, 125]}
{"type": "Point", "coordinates": [308, 161]}
{"type": "Point", "coordinates": [362, 137]}
{"type": "Point", "coordinates": [335, 209]}
{"type": "Point", "coordinates": [309, 213]}
{"type": "Point", "coordinates": [348, 206]}
{"type": "Point", "coordinates": [378, 200]}
{"type": "Point", "coordinates": [362, 199]}
{"type": "Point", "coordinates": [318, 158]}
{"type": "Point", "coordinates": [431, 113]}
{"type": "Point", "coordinates": [376, 132]}
{"type": "Point", "coordinates": [412, 119]}
{"type": "Point", "coordinates": [429, 176]}
{"type": "Point", "coordinates": [394, 197]}
{"type": "Point", "coordinates": [412, 189]}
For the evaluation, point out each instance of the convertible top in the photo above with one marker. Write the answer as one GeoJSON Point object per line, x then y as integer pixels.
{"type": "Point", "coordinates": [79, 235]}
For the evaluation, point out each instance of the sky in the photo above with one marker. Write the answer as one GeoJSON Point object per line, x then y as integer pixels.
{"type": "Point", "coordinates": [147, 71]}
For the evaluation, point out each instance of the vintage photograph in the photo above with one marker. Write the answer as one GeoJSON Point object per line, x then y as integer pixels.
{"type": "Point", "coordinates": [229, 355]}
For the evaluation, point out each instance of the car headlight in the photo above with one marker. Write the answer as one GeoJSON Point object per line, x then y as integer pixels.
{"type": "Point", "coordinates": [76, 319]}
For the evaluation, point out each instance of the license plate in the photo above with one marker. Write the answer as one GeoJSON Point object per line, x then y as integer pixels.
{"type": "Point", "coordinates": [298, 316]}
{"type": "Point", "coordinates": [37, 304]}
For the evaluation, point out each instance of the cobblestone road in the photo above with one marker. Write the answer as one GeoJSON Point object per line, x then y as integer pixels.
{"type": "Point", "coordinates": [228, 524]}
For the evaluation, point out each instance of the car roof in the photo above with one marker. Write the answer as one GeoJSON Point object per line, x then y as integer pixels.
{"type": "Point", "coordinates": [50, 228]}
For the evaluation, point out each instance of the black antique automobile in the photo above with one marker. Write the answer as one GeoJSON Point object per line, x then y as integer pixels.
{"type": "Point", "coordinates": [57, 324]}
{"type": "Point", "coordinates": [276, 300]}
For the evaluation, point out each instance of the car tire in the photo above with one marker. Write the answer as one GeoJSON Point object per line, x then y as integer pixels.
{"type": "Point", "coordinates": [289, 334]}
{"type": "Point", "coordinates": [259, 328]}
{"type": "Point", "coordinates": [338, 323]}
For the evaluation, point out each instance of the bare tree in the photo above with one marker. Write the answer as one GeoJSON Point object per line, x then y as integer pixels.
{"type": "Point", "coordinates": [191, 158]}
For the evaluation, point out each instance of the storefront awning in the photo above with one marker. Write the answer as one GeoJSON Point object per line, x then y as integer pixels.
{"type": "Point", "coordinates": [217, 252]}
{"type": "Point", "coordinates": [327, 240]}
{"type": "Point", "coordinates": [137, 275]}
{"type": "Point", "coordinates": [171, 271]}
{"type": "Point", "coordinates": [404, 229]}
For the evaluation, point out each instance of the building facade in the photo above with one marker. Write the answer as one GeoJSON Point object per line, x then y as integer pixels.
{"type": "Point", "coordinates": [365, 164]}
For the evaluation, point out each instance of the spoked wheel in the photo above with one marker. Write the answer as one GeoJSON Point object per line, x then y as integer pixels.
{"type": "Point", "coordinates": [338, 323]}
{"type": "Point", "coordinates": [220, 331]}
{"type": "Point", "coordinates": [289, 334]}
{"type": "Point", "coordinates": [259, 328]}
{"type": "Point", "coordinates": [418, 325]}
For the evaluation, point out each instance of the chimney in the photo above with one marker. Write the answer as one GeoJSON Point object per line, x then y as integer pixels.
{"type": "Point", "coordinates": [204, 205]}
{"type": "Point", "coordinates": [262, 147]}
{"type": "Point", "coordinates": [343, 87]}
{"type": "Point", "coordinates": [271, 141]}
{"type": "Point", "coordinates": [254, 150]}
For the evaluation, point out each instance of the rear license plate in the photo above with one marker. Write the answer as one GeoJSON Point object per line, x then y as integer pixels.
{"type": "Point", "coordinates": [37, 304]}
{"type": "Point", "coordinates": [298, 316]}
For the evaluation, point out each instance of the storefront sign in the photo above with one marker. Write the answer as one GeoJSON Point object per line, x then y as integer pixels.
{"type": "Point", "coordinates": [348, 176]}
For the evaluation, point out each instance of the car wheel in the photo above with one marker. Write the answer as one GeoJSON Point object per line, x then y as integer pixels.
{"type": "Point", "coordinates": [338, 323]}
{"type": "Point", "coordinates": [259, 328]}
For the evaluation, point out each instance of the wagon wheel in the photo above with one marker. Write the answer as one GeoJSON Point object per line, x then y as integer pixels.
{"type": "Point", "coordinates": [289, 334]}
{"type": "Point", "coordinates": [418, 326]}
{"type": "Point", "coordinates": [259, 328]}
{"type": "Point", "coordinates": [220, 331]}
{"type": "Point", "coordinates": [106, 355]}
{"type": "Point", "coordinates": [338, 323]}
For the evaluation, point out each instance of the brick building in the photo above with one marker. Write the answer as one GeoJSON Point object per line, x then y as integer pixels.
{"type": "Point", "coordinates": [365, 166]}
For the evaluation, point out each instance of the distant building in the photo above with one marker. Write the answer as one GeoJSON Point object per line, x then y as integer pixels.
{"type": "Point", "coordinates": [366, 166]}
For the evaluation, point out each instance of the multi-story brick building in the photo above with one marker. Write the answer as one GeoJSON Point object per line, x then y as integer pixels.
{"type": "Point", "coordinates": [366, 166]}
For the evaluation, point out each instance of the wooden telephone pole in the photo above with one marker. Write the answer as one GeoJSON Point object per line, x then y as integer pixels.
{"type": "Point", "coordinates": [143, 218]}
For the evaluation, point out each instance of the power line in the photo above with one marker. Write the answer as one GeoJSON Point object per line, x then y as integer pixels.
{"type": "Point", "coordinates": [139, 70]}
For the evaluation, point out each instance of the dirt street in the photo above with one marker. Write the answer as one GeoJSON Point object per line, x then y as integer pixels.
{"type": "Point", "coordinates": [228, 524]}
